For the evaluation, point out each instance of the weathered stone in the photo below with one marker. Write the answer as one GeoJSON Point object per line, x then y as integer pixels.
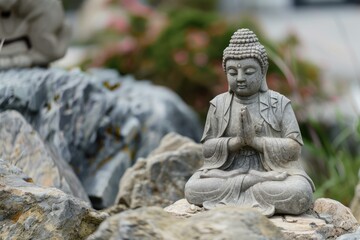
{"type": "Point", "coordinates": [303, 227]}
{"type": "Point", "coordinates": [159, 180]}
{"type": "Point", "coordinates": [328, 220]}
{"type": "Point", "coordinates": [28, 211]}
{"type": "Point", "coordinates": [104, 195]}
{"type": "Point", "coordinates": [340, 216]}
{"type": "Point", "coordinates": [22, 146]}
{"type": "Point", "coordinates": [183, 208]}
{"type": "Point", "coordinates": [350, 236]}
{"type": "Point", "coordinates": [99, 122]}
{"type": "Point", "coordinates": [154, 223]}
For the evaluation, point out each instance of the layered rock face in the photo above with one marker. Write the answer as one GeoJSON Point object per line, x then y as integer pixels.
{"type": "Point", "coordinates": [159, 180]}
{"type": "Point", "coordinates": [327, 219]}
{"type": "Point", "coordinates": [22, 146]}
{"type": "Point", "coordinates": [99, 122]}
{"type": "Point", "coordinates": [155, 223]}
{"type": "Point", "coordinates": [28, 211]}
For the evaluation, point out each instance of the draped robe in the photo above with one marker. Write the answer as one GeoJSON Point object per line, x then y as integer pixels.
{"type": "Point", "coordinates": [280, 152]}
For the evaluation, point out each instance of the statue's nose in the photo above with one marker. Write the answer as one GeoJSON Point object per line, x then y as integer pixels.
{"type": "Point", "coordinates": [240, 76]}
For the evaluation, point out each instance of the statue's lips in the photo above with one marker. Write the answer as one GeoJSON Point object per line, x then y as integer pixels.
{"type": "Point", "coordinates": [241, 86]}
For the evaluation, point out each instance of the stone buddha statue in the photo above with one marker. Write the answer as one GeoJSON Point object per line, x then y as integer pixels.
{"type": "Point", "coordinates": [251, 141]}
{"type": "Point", "coordinates": [32, 33]}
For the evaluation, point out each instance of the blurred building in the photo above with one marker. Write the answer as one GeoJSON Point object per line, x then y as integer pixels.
{"type": "Point", "coordinates": [329, 37]}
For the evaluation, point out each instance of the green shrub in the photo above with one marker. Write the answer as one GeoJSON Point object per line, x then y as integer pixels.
{"type": "Point", "coordinates": [334, 159]}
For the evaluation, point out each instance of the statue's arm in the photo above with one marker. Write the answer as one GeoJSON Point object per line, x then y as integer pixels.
{"type": "Point", "coordinates": [284, 148]}
{"type": "Point", "coordinates": [211, 141]}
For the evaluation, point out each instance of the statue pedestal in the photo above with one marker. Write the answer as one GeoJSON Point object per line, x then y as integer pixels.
{"type": "Point", "coordinates": [327, 219]}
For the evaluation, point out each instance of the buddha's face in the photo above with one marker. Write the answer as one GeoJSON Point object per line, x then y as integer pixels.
{"type": "Point", "coordinates": [244, 76]}
{"type": "Point", "coordinates": [6, 5]}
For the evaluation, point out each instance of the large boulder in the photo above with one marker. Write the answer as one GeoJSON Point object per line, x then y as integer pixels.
{"type": "Point", "coordinates": [99, 122]}
{"type": "Point", "coordinates": [28, 211]}
{"type": "Point", "coordinates": [22, 146]}
{"type": "Point", "coordinates": [159, 180]}
{"type": "Point", "coordinates": [328, 219]}
{"type": "Point", "coordinates": [337, 214]}
{"type": "Point", "coordinates": [155, 223]}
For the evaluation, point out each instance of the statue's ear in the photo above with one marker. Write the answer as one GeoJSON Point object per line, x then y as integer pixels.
{"type": "Point", "coordinates": [264, 87]}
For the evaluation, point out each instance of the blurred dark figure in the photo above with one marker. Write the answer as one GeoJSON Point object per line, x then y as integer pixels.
{"type": "Point", "coordinates": [301, 3]}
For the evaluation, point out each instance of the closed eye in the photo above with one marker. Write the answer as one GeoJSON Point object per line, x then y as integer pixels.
{"type": "Point", "coordinates": [250, 71]}
{"type": "Point", "coordinates": [232, 72]}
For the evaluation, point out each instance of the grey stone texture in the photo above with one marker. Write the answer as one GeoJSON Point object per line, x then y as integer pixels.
{"type": "Point", "coordinates": [155, 223]}
{"type": "Point", "coordinates": [22, 146]}
{"type": "Point", "coordinates": [328, 219]}
{"type": "Point", "coordinates": [159, 180]}
{"type": "Point", "coordinates": [350, 236]}
{"type": "Point", "coordinates": [28, 211]}
{"type": "Point", "coordinates": [99, 122]}
{"type": "Point", "coordinates": [337, 214]}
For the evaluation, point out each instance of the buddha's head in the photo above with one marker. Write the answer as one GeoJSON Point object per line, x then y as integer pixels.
{"type": "Point", "coordinates": [245, 64]}
{"type": "Point", "coordinates": [6, 5]}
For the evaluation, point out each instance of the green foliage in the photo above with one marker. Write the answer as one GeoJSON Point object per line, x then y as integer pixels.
{"type": "Point", "coordinates": [184, 53]}
{"type": "Point", "coordinates": [335, 161]}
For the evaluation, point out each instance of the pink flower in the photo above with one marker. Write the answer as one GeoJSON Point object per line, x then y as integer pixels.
{"type": "Point", "coordinates": [197, 39]}
{"type": "Point", "coordinates": [201, 59]}
{"type": "Point", "coordinates": [181, 57]}
{"type": "Point", "coordinates": [119, 24]}
{"type": "Point", "coordinates": [127, 45]}
{"type": "Point", "coordinates": [136, 7]}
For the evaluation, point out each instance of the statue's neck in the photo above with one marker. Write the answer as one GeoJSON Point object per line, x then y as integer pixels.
{"type": "Point", "coordinates": [247, 100]}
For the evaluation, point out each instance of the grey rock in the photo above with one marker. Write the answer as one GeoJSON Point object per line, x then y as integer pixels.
{"type": "Point", "coordinates": [311, 225]}
{"type": "Point", "coordinates": [88, 118]}
{"type": "Point", "coordinates": [22, 146]}
{"type": "Point", "coordinates": [350, 236]}
{"type": "Point", "coordinates": [183, 208]}
{"type": "Point", "coordinates": [159, 180]}
{"type": "Point", "coordinates": [28, 211]}
{"type": "Point", "coordinates": [155, 223]}
{"type": "Point", "coordinates": [341, 217]}
{"type": "Point", "coordinates": [106, 179]}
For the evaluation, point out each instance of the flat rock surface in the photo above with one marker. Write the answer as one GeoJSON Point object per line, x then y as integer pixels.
{"type": "Point", "coordinates": [28, 211]}
{"type": "Point", "coordinates": [155, 223]}
{"type": "Point", "coordinates": [99, 122]}
{"type": "Point", "coordinates": [328, 220]}
{"type": "Point", "coordinates": [160, 179]}
{"type": "Point", "coordinates": [22, 146]}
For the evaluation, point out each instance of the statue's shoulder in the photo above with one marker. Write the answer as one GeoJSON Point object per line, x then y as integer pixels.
{"type": "Point", "coordinates": [220, 99]}
{"type": "Point", "coordinates": [277, 99]}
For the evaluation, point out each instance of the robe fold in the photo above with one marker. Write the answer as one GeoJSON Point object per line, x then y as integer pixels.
{"type": "Point", "coordinates": [280, 152]}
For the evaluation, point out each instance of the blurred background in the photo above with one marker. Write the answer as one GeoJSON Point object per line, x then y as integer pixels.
{"type": "Point", "coordinates": [313, 47]}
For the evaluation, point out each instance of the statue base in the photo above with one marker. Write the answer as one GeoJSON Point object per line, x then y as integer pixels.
{"type": "Point", "coordinates": [327, 219]}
